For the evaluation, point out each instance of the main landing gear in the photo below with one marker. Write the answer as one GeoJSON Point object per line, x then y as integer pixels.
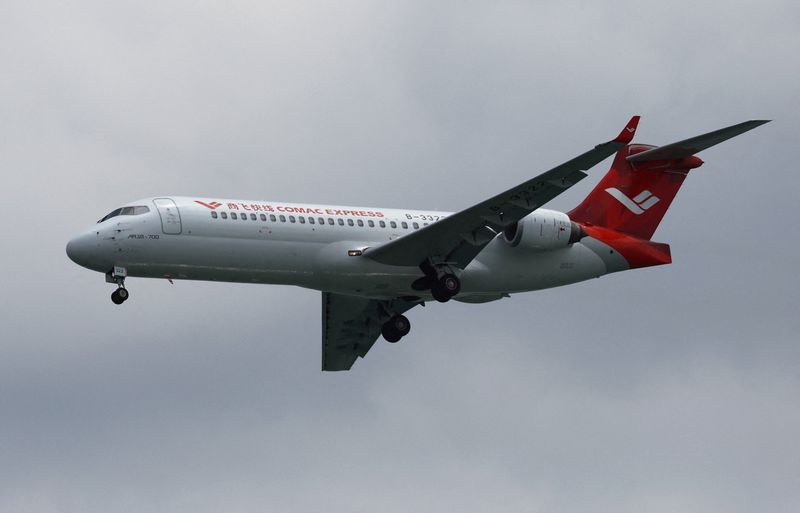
{"type": "Point", "coordinates": [440, 278]}
{"type": "Point", "coordinates": [396, 328]}
{"type": "Point", "coordinates": [117, 276]}
{"type": "Point", "coordinates": [447, 286]}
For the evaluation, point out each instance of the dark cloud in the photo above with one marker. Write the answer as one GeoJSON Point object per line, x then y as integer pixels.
{"type": "Point", "coordinates": [663, 389]}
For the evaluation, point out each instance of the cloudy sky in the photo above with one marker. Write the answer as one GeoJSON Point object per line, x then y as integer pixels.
{"type": "Point", "coordinates": [660, 390]}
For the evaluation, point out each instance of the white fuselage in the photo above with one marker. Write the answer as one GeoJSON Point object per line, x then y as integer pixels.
{"type": "Point", "coordinates": [316, 247]}
{"type": "Point", "coordinates": [373, 265]}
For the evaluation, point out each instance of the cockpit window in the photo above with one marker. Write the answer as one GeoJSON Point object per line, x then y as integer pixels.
{"type": "Point", "coordinates": [126, 211]}
{"type": "Point", "coordinates": [113, 213]}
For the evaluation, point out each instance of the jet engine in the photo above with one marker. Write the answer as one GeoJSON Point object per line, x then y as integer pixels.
{"type": "Point", "coordinates": [543, 230]}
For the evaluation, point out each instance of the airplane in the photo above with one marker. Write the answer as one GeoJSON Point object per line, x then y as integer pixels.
{"type": "Point", "coordinates": [372, 265]}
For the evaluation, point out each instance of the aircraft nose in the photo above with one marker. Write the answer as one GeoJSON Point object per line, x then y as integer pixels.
{"type": "Point", "coordinates": [79, 249]}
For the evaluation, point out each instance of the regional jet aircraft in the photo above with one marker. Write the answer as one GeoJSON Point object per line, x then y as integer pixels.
{"type": "Point", "coordinates": [374, 264]}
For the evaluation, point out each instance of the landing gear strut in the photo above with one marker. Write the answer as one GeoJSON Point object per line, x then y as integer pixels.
{"type": "Point", "coordinates": [117, 276]}
{"type": "Point", "coordinates": [396, 328]}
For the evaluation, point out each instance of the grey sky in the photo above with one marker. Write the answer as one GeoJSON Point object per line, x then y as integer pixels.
{"type": "Point", "coordinates": [659, 390]}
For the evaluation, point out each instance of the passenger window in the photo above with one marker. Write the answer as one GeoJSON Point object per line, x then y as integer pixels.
{"type": "Point", "coordinates": [404, 225]}
{"type": "Point", "coordinates": [330, 221]}
{"type": "Point", "coordinates": [283, 219]}
{"type": "Point", "coordinates": [383, 225]}
{"type": "Point", "coordinates": [252, 217]}
{"type": "Point", "coordinates": [311, 220]}
{"type": "Point", "coordinates": [233, 215]}
{"type": "Point", "coordinates": [244, 217]}
{"type": "Point", "coordinates": [214, 215]}
{"type": "Point", "coordinates": [393, 224]}
{"type": "Point", "coordinates": [350, 222]}
{"type": "Point", "coordinates": [341, 222]}
{"type": "Point", "coordinates": [371, 223]}
{"type": "Point", "coordinates": [321, 220]}
{"type": "Point", "coordinates": [291, 219]}
{"type": "Point", "coordinates": [224, 215]}
{"type": "Point", "coordinates": [415, 225]}
{"type": "Point", "coordinates": [272, 218]}
{"type": "Point", "coordinates": [360, 222]}
{"type": "Point", "coordinates": [302, 220]}
{"type": "Point", "coordinates": [263, 217]}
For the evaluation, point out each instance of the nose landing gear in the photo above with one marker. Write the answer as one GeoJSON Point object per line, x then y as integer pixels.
{"type": "Point", "coordinates": [117, 276]}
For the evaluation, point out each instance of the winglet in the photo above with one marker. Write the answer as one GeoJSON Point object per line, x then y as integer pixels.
{"type": "Point", "coordinates": [628, 132]}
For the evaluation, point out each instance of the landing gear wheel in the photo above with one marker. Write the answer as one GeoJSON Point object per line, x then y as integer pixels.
{"type": "Point", "coordinates": [396, 328]}
{"type": "Point", "coordinates": [119, 296]}
{"type": "Point", "coordinates": [446, 287]}
{"type": "Point", "coordinates": [450, 283]}
{"type": "Point", "coordinates": [390, 334]}
{"type": "Point", "coordinates": [439, 294]}
{"type": "Point", "coordinates": [400, 324]}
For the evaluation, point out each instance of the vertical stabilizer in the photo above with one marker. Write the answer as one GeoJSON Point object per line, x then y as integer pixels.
{"type": "Point", "coordinates": [633, 198]}
{"type": "Point", "coordinates": [643, 180]}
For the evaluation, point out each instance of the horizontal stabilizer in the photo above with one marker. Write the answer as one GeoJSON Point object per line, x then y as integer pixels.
{"type": "Point", "coordinates": [689, 147]}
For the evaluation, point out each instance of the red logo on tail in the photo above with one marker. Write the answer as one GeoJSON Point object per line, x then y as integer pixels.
{"type": "Point", "coordinates": [637, 205]}
{"type": "Point", "coordinates": [212, 205]}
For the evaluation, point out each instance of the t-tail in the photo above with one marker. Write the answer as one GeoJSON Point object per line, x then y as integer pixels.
{"type": "Point", "coordinates": [630, 201]}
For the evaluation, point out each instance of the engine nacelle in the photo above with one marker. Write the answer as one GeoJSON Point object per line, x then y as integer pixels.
{"type": "Point", "coordinates": [543, 230]}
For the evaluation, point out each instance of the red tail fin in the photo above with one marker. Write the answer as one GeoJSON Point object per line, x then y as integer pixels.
{"type": "Point", "coordinates": [634, 196]}
{"type": "Point", "coordinates": [636, 193]}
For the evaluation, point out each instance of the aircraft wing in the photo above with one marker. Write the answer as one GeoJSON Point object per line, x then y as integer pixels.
{"type": "Point", "coordinates": [351, 324]}
{"type": "Point", "coordinates": [459, 237]}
